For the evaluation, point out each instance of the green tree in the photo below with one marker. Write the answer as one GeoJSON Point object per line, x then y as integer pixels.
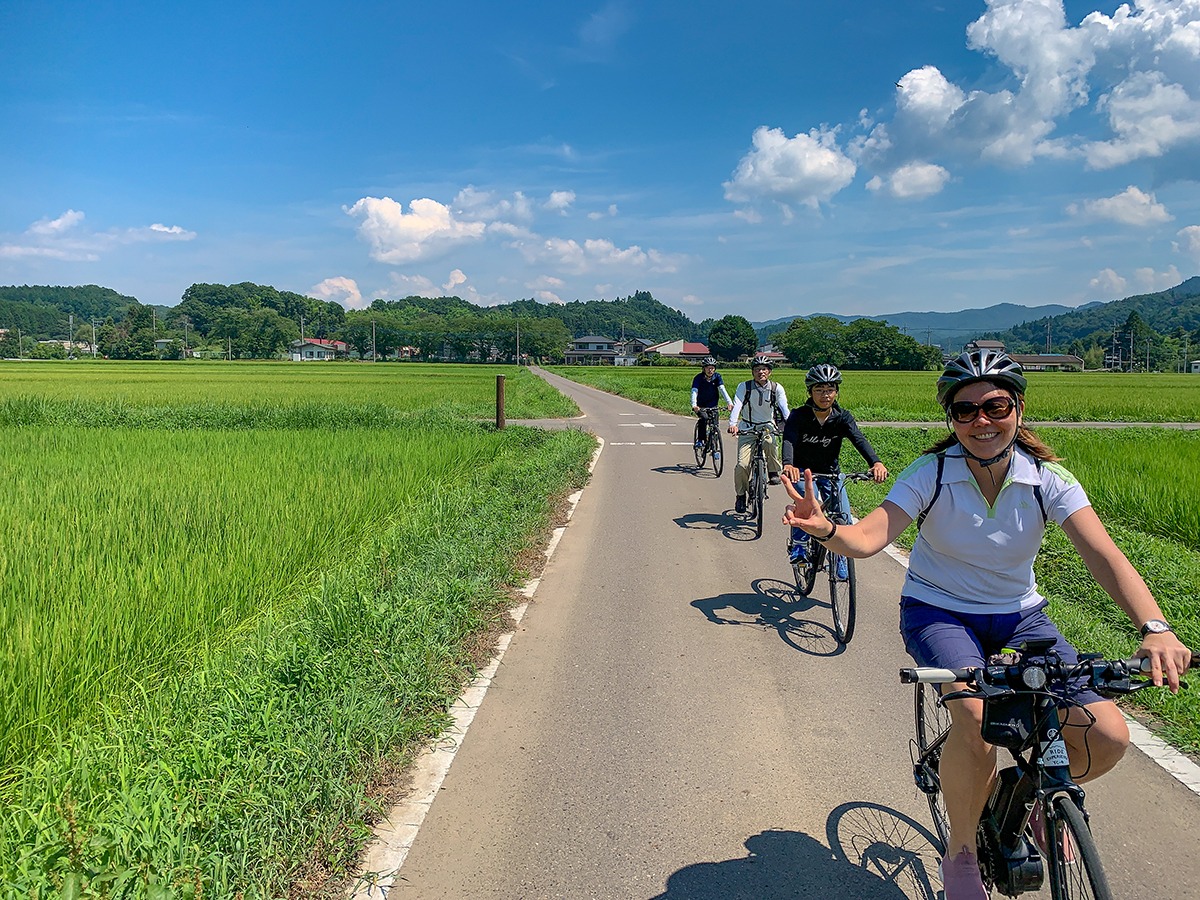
{"type": "Point", "coordinates": [807, 342]}
{"type": "Point", "coordinates": [732, 337]}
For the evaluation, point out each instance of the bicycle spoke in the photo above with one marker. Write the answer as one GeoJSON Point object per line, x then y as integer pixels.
{"type": "Point", "coordinates": [1074, 861]}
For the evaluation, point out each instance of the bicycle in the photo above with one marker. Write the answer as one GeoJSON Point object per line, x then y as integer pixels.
{"type": "Point", "coordinates": [710, 448]}
{"type": "Point", "coordinates": [756, 486]}
{"type": "Point", "coordinates": [1021, 701]}
{"type": "Point", "coordinates": [843, 590]}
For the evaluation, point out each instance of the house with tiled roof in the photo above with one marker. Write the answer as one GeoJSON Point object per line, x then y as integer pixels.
{"type": "Point", "coordinates": [311, 349]}
{"type": "Point", "coordinates": [693, 351]}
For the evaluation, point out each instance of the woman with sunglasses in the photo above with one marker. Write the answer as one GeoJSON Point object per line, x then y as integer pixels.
{"type": "Point", "coordinates": [982, 497]}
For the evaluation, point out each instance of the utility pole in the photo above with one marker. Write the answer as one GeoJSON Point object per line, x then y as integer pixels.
{"type": "Point", "coordinates": [93, 338]}
{"type": "Point", "coordinates": [1147, 354]}
{"type": "Point", "coordinates": [1132, 351]}
{"type": "Point", "coordinates": [518, 342]}
{"type": "Point", "coordinates": [374, 355]}
{"type": "Point", "coordinates": [70, 335]}
{"type": "Point", "coordinates": [1047, 338]}
{"type": "Point", "coordinates": [229, 349]}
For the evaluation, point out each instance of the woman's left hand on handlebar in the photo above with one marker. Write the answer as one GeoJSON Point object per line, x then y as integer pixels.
{"type": "Point", "coordinates": [1168, 656]}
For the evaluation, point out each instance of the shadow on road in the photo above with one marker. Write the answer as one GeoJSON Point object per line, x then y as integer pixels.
{"type": "Point", "coordinates": [775, 604]}
{"type": "Point", "coordinates": [890, 845]}
{"type": "Point", "coordinates": [780, 864]}
{"type": "Point", "coordinates": [685, 468]}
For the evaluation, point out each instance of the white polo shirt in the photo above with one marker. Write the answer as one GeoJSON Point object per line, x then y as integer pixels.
{"type": "Point", "coordinates": [971, 557]}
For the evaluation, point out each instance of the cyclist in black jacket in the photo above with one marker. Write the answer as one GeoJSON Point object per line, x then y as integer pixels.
{"type": "Point", "coordinates": [812, 439]}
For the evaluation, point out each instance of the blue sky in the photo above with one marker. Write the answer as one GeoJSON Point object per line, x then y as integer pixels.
{"type": "Point", "coordinates": [766, 159]}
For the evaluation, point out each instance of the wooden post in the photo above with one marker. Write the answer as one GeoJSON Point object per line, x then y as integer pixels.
{"type": "Point", "coordinates": [499, 401]}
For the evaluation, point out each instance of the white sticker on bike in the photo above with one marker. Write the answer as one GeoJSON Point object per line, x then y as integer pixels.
{"type": "Point", "coordinates": [1055, 754]}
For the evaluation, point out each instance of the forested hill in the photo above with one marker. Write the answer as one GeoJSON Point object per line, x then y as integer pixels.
{"type": "Point", "coordinates": [45, 311]}
{"type": "Point", "coordinates": [1174, 312]}
{"type": "Point", "coordinates": [639, 315]}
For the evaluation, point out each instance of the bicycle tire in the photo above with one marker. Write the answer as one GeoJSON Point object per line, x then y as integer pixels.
{"type": "Point", "coordinates": [933, 721]}
{"type": "Point", "coordinates": [806, 573]}
{"type": "Point", "coordinates": [716, 452]}
{"type": "Point", "coordinates": [1083, 876]}
{"type": "Point", "coordinates": [760, 494]}
{"type": "Point", "coordinates": [843, 598]}
{"type": "Point", "coordinates": [700, 448]}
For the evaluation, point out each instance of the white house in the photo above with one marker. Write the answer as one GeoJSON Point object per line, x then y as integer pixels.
{"type": "Point", "coordinates": [316, 349]}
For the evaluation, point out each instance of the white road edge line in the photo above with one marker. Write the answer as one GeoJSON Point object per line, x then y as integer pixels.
{"type": "Point", "coordinates": [394, 835]}
{"type": "Point", "coordinates": [1174, 763]}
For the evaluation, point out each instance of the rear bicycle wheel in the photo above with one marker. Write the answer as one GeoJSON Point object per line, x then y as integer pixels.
{"type": "Point", "coordinates": [760, 495]}
{"type": "Point", "coordinates": [1073, 860]}
{"type": "Point", "coordinates": [842, 597]}
{"type": "Point", "coordinates": [700, 447]}
{"type": "Point", "coordinates": [718, 457]}
{"type": "Point", "coordinates": [933, 723]}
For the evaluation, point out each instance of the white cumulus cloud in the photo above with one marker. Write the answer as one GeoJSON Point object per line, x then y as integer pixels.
{"type": "Point", "coordinates": [1149, 281]}
{"type": "Point", "coordinates": [456, 278]}
{"type": "Point", "coordinates": [1130, 207]}
{"type": "Point", "coordinates": [806, 169]}
{"type": "Point", "coordinates": [914, 181]}
{"type": "Point", "coordinates": [1189, 241]}
{"type": "Point", "coordinates": [1108, 284]}
{"type": "Point", "coordinates": [559, 201]}
{"type": "Point", "coordinates": [340, 288]}
{"type": "Point", "coordinates": [396, 236]}
{"type": "Point", "coordinates": [50, 227]}
{"type": "Point", "coordinates": [67, 239]}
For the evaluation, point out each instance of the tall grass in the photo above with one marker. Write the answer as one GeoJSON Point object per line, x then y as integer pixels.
{"type": "Point", "coordinates": [911, 396]}
{"type": "Point", "coordinates": [138, 393]}
{"type": "Point", "coordinates": [242, 768]}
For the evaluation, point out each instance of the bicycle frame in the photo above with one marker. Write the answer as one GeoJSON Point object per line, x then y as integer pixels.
{"type": "Point", "coordinates": [1021, 714]}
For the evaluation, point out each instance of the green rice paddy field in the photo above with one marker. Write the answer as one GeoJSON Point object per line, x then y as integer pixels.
{"type": "Point", "coordinates": [910, 396]}
{"type": "Point", "coordinates": [230, 593]}
{"type": "Point", "coordinates": [1144, 483]}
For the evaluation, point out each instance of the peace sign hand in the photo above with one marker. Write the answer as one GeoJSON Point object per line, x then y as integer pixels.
{"type": "Point", "coordinates": [805, 509]}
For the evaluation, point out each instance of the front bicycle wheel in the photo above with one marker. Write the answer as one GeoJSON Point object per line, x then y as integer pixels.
{"type": "Point", "coordinates": [806, 572]}
{"type": "Point", "coordinates": [842, 596]}
{"type": "Point", "coordinates": [760, 494]}
{"type": "Point", "coordinates": [700, 447]}
{"type": "Point", "coordinates": [718, 457]}
{"type": "Point", "coordinates": [1073, 860]}
{"type": "Point", "coordinates": [933, 723]}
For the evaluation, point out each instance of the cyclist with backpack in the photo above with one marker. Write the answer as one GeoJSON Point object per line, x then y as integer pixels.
{"type": "Point", "coordinates": [812, 439]}
{"type": "Point", "coordinates": [981, 498]}
{"type": "Point", "coordinates": [708, 388]}
{"type": "Point", "coordinates": [756, 402]}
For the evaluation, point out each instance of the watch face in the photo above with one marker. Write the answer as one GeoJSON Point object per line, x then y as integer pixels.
{"type": "Point", "coordinates": [1155, 626]}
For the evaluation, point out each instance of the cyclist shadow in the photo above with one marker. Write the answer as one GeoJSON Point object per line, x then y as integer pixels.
{"type": "Point", "coordinates": [776, 604]}
{"type": "Point", "coordinates": [729, 523]}
{"type": "Point", "coordinates": [779, 864]}
{"type": "Point", "coordinates": [687, 468]}
{"type": "Point", "coordinates": [895, 848]}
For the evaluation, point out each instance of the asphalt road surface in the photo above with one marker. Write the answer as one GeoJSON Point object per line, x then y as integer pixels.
{"type": "Point", "coordinates": [672, 721]}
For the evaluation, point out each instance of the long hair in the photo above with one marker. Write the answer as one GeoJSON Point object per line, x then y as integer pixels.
{"type": "Point", "coordinates": [1026, 440]}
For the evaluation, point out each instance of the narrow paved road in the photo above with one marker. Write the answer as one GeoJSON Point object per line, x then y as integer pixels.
{"type": "Point", "coordinates": [672, 722]}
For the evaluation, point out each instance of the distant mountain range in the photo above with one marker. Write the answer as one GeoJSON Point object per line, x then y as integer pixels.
{"type": "Point", "coordinates": [950, 330]}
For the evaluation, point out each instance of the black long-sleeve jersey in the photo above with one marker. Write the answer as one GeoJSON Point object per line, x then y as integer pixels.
{"type": "Point", "coordinates": [807, 444]}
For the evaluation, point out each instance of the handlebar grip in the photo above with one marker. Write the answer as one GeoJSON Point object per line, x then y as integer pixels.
{"type": "Point", "coordinates": [932, 675]}
{"type": "Point", "coordinates": [1142, 664]}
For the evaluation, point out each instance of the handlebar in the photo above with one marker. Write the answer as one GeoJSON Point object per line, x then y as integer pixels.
{"type": "Point", "coordinates": [1112, 675]}
{"type": "Point", "coordinates": [846, 476]}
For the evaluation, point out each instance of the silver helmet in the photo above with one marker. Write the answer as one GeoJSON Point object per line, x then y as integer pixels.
{"type": "Point", "coordinates": [984, 364]}
{"type": "Point", "coordinates": [822, 374]}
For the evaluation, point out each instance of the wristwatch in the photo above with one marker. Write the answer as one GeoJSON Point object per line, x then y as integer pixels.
{"type": "Point", "coordinates": [1155, 626]}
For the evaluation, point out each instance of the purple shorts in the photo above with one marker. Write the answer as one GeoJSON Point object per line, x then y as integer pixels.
{"type": "Point", "coordinates": [952, 640]}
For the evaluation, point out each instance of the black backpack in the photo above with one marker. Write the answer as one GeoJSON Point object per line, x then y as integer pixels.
{"type": "Point", "coordinates": [937, 490]}
{"type": "Point", "coordinates": [776, 416]}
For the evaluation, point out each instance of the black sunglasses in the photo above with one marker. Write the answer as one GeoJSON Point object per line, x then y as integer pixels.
{"type": "Point", "coordinates": [995, 408]}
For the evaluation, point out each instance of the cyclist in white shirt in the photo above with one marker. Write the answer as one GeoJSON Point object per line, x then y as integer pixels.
{"type": "Point", "coordinates": [756, 402]}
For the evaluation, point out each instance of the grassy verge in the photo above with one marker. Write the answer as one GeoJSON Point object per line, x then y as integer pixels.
{"type": "Point", "coordinates": [235, 776]}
